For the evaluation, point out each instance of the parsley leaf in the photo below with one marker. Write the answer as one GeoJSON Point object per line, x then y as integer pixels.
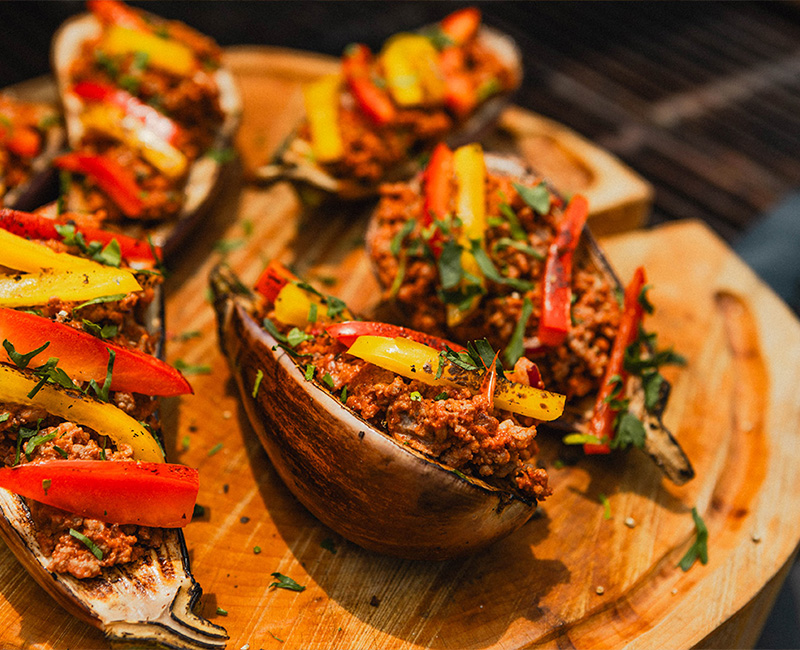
{"type": "Point", "coordinates": [257, 384]}
{"type": "Point", "coordinates": [450, 270]}
{"type": "Point", "coordinates": [187, 369]}
{"type": "Point", "coordinates": [285, 582]}
{"type": "Point", "coordinates": [488, 269]}
{"type": "Point", "coordinates": [102, 391]}
{"type": "Point", "coordinates": [101, 299]}
{"type": "Point", "coordinates": [516, 348]}
{"type": "Point", "coordinates": [397, 241]}
{"type": "Point", "coordinates": [698, 550]}
{"type": "Point", "coordinates": [94, 548]}
{"type": "Point", "coordinates": [22, 360]}
{"type": "Point", "coordinates": [537, 198]}
{"type": "Point", "coordinates": [107, 331]}
{"type": "Point", "coordinates": [629, 432]}
{"type": "Point", "coordinates": [296, 336]}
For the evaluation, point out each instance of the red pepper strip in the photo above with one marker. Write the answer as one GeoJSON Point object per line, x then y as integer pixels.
{"type": "Point", "coordinates": [115, 180]}
{"type": "Point", "coordinates": [156, 122]}
{"type": "Point", "coordinates": [117, 13]}
{"type": "Point", "coordinates": [35, 226]}
{"type": "Point", "coordinates": [273, 279]}
{"type": "Point", "coordinates": [602, 423]}
{"type": "Point", "coordinates": [556, 287]}
{"type": "Point", "coordinates": [462, 25]}
{"type": "Point", "coordinates": [374, 101]}
{"type": "Point", "coordinates": [84, 357]}
{"type": "Point", "coordinates": [24, 141]}
{"type": "Point", "coordinates": [121, 492]}
{"type": "Point", "coordinates": [348, 331]}
{"type": "Point", "coordinates": [438, 190]}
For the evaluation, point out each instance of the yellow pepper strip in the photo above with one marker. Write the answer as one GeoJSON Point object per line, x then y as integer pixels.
{"type": "Point", "coordinates": [104, 418]}
{"type": "Point", "coordinates": [470, 173]}
{"type": "Point", "coordinates": [415, 360]}
{"type": "Point", "coordinates": [162, 53]}
{"type": "Point", "coordinates": [112, 121]}
{"type": "Point", "coordinates": [22, 254]}
{"type": "Point", "coordinates": [322, 111]}
{"type": "Point", "coordinates": [30, 289]}
{"type": "Point", "coordinates": [411, 67]}
{"type": "Point", "coordinates": [293, 305]}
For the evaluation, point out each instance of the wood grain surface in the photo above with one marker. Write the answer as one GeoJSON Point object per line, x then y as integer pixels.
{"type": "Point", "coordinates": [733, 408]}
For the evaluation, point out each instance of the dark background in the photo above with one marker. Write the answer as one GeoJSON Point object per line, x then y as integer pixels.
{"type": "Point", "coordinates": [702, 99]}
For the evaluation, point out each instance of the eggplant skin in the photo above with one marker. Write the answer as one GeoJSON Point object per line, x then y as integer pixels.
{"type": "Point", "coordinates": [147, 603]}
{"type": "Point", "coordinates": [352, 477]}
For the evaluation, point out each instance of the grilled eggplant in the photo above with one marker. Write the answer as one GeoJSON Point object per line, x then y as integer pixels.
{"type": "Point", "coordinates": [32, 135]}
{"type": "Point", "coordinates": [368, 486]}
{"type": "Point", "coordinates": [193, 166]}
{"type": "Point", "coordinates": [146, 601]}
{"type": "Point", "coordinates": [409, 251]}
{"type": "Point", "coordinates": [296, 160]}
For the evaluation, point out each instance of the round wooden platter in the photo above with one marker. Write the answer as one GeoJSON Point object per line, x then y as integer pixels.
{"type": "Point", "coordinates": [733, 408]}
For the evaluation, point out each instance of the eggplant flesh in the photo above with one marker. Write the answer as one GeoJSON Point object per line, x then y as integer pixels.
{"type": "Point", "coordinates": [660, 445]}
{"type": "Point", "coordinates": [293, 161]}
{"type": "Point", "coordinates": [354, 478]}
{"type": "Point", "coordinates": [147, 603]}
{"type": "Point", "coordinates": [204, 177]}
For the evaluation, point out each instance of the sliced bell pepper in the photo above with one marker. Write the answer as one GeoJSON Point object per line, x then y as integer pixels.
{"type": "Point", "coordinates": [415, 360]}
{"type": "Point", "coordinates": [322, 111]}
{"type": "Point", "coordinates": [117, 182]}
{"type": "Point", "coordinates": [411, 67]}
{"type": "Point", "coordinates": [111, 120]}
{"type": "Point", "coordinates": [462, 25]}
{"type": "Point", "coordinates": [272, 279]}
{"type": "Point", "coordinates": [348, 331]}
{"type": "Point", "coordinates": [162, 53]}
{"type": "Point", "coordinates": [601, 426]}
{"type": "Point", "coordinates": [31, 289]}
{"type": "Point", "coordinates": [555, 320]}
{"type": "Point", "coordinates": [22, 255]}
{"type": "Point", "coordinates": [459, 93]}
{"type": "Point", "coordinates": [159, 495]}
{"type": "Point", "coordinates": [117, 13]}
{"type": "Point", "coordinates": [158, 123]}
{"type": "Point", "coordinates": [293, 305]}
{"type": "Point", "coordinates": [437, 183]}
{"type": "Point", "coordinates": [103, 417]}
{"type": "Point", "coordinates": [84, 357]}
{"type": "Point", "coordinates": [36, 226]}
{"type": "Point", "coordinates": [470, 174]}
{"type": "Point", "coordinates": [374, 101]}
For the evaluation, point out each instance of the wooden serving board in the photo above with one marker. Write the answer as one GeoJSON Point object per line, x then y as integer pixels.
{"type": "Point", "coordinates": [733, 408]}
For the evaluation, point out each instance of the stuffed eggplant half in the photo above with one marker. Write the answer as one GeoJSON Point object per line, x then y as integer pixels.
{"type": "Point", "coordinates": [150, 115]}
{"type": "Point", "coordinates": [479, 246]}
{"type": "Point", "coordinates": [31, 134]}
{"type": "Point", "coordinates": [401, 442]}
{"type": "Point", "coordinates": [87, 503]}
{"type": "Point", "coordinates": [368, 124]}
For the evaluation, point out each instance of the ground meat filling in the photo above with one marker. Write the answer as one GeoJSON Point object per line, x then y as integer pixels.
{"type": "Point", "coordinates": [36, 119]}
{"type": "Point", "coordinates": [119, 544]}
{"type": "Point", "coordinates": [457, 428]}
{"type": "Point", "coordinates": [574, 368]}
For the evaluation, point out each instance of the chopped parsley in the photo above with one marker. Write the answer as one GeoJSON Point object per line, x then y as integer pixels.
{"type": "Point", "coordinates": [285, 582]}
{"type": "Point", "coordinates": [450, 269]}
{"type": "Point", "coordinates": [699, 549]}
{"type": "Point", "coordinates": [96, 551]}
{"type": "Point", "coordinates": [4, 416]}
{"type": "Point", "coordinates": [606, 506]}
{"type": "Point", "coordinates": [215, 449]}
{"type": "Point", "coordinates": [343, 396]}
{"type": "Point", "coordinates": [221, 156]}
{"type": "Point", "coordinates": [46, 483]}
{"type": "Point", "coordinates": [488, 269]}
{"type": "Point", "coordinates": [296, 336]}
{"type": "Point", "coordinates": [581, 439]}
{"type": "Point", "coordinates": [101, 299]}
{"type": "Point", "coordinates": [256, 550]}
{"type": "Point", "coordinates": [107, 331]}
{"type": "Point", "coordinates": [257, 385]}
{"type": "Point", "coordinates": [225, 246]}
{"type": "Point", "coordinates": [110, 254]}
{"type": "Point", "coordinates": [516, 346]}
{"type": "Point", "coordinates": [440, 396]}
{"type": "Point", "coordinates": [35, 441]}
{"type": "Point", "coordinates": [25, 433]}
{"type": "Point", "coordinates": [629, 431]}
{"type": "Point", "coordinates": [102, 391]}
{"type": "Point", "coordinates": [19, 359]}
{"type": "Point", "coordinates": [47, 372]}
{"type": "Point", "coordinates": [328, 380]}
{"type": "Point", "coordinates": [310, 370]}
{"type": "Point", "coordinates": [397, 241]}
{"type": "Point", "coordinates": [222, 612]}
{"type": "Point", "coordinates": [415, 396]}
{"type": "Point", "coordinates": [537, 198]}
{"type": "Point", "coordinates": [187, 369]}
{"type": "Point", "coordinates": [505, 242]}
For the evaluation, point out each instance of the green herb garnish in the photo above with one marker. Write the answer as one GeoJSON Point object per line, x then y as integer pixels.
{"type": "Point", "coordinates": [101, 299]}
{"type": "Point", "coordinates": [107, 331]}
{"type": "Point", "coordinates": [88, 543]}
{"type": "Point", "coordinates": [537, 198]}
{"type": "Point", "coordinates": [102, 391]}
{"type": "Point", "coordinates": [257, 385]}
{"type": "Point", "coordinates": [285, 582]}
{"type": "Point", "coordinates": [516, 346]}
{"type": "Point", "coordinates": [415, 396]}
{"type": "Point", "coordinates": [606, 506]}
{"type": "Point", "coordinates": [215, 449]}
{"type": "Point", "coordinates": [46, 483]}
{"type": "Point", "coordinates": [187, 369]}
{"type": "Point", "coordinates": [699, 549]}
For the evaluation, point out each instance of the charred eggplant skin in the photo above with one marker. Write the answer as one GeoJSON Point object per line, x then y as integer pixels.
{"type": "Point", "coordinates": [146, 604]}
{"type": "Point", "coordinates": [352, 477]}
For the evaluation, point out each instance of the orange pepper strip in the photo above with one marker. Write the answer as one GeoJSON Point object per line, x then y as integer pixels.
{"type": "Point", "coordinates": [601, 426]}
{"type": "Point", "coordinates": [374, 101]}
